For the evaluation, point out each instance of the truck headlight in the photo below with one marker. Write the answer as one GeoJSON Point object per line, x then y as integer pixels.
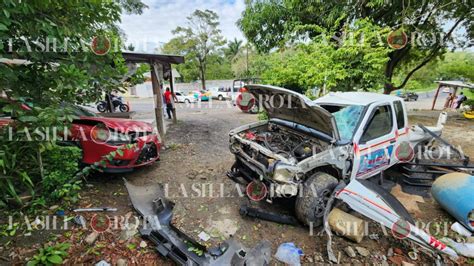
{"type": "Point", "coordinates": [283, 174]}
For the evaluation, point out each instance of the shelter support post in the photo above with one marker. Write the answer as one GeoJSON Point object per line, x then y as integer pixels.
{"type": "Point", "coordinates": [175, 119]}
{"type": "Point", "coordinates": [155, 81]}
{"type": "Point", "coordinates": [436, 97]}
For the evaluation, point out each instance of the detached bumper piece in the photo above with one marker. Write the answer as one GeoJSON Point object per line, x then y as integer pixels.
{"type": "Point", "coordinates": [157, 213]}
{"type": "Point", "coordinates": [378, 205]}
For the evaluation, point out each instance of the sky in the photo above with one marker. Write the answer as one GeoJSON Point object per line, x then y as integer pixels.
{"type": "Point", "coordinates": [153, 28]}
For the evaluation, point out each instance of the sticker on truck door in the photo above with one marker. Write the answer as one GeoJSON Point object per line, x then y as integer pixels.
{"type": "Point", "coordinates": [374, 160]}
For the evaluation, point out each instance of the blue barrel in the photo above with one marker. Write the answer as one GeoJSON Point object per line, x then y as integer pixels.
{"type": "Point", "coordinates": [455, 193]}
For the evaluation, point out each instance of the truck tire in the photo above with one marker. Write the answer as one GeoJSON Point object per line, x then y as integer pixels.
{"type": "Point", "coordinates": [311, 201]}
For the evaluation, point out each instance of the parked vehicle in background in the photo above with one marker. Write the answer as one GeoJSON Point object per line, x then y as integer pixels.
{"type": "Point", "coordinates": [246, 102]}
{"type": "Point", "coordinates": [202, 95]}
{"type": "Point", "coordinates": [409, 96]}
{"type": "Point", "coordinates": [219, 93]}
{"type": "Point", "coordinates": [117, 101]}
{"type": "Point", "coordinates": [182, 98]}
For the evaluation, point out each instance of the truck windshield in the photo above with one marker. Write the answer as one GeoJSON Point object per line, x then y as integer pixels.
{"type": "Point", "coordinates": [347, 118]}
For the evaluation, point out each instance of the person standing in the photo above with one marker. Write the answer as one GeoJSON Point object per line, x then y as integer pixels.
{"type": "Point", "coordinates": [168, 98]}
{"type": "Point", "coordinates": [449, 101]}
{"type": "Point", "coordinates": [460, 99]}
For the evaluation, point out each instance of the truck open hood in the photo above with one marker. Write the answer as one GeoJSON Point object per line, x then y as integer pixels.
{"type": "Point", "coordinates": [292, 106]}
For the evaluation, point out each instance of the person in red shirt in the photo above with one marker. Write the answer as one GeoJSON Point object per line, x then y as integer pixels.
{"type": "Point", "coordinates": [169, 105]}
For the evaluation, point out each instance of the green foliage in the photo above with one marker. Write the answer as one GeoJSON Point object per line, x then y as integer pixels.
{"type": "Point", "coordinates": [9, 231]}
{"type": "Point", "coordinates": [60, 165]}
{"type": "Point", "coordinates": [262, 115]}
{"type": "Point", "coordinates": [50, 255]}
{"type": "Point", "coordinates": [273, 24]}
{"type": "Point", "coordinates": [354, 63]}
{"type": "Point", "coordinates": [55, 38]}
{"type": "Point", "coordinates": [469, 102]}
{"type": "Point", "coordinates": [197, 42]}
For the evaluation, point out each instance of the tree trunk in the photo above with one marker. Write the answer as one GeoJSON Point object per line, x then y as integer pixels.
{"type": "Point", "coordinates": [202, 74]}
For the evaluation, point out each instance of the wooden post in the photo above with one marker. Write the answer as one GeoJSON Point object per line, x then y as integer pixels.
{"type": "Point", "coordinates": [155, 81]}
{"type": "Point", "coordinates": [436, 97]}
{"type": "Point", "coordinates": [175, 119]}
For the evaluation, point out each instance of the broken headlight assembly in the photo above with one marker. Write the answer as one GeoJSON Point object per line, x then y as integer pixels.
{"type": "Point", "coordinates": [117, 139]}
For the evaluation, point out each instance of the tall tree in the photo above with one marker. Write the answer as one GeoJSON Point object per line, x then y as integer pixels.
{"type": "Point", "coordinates": [72, 53]}
{"type": "Point", "coordinates": [428, 25]}
{"type": "Point", "coordinates": [200, 38]}
{"type": "Point", "coordinates": [233, 48]}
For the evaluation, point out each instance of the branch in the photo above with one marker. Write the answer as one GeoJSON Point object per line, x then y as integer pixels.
{"type": "Point", "coordinates": [431, 55]}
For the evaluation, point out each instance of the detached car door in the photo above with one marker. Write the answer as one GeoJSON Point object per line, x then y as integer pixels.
{"type": "Point", "coordinates": [375, 141]}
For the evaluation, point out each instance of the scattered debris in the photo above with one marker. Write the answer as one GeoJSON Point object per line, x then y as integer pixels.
{"type": "Point", "coordinates": [362, 251]}
{"type": "Point", "coordinates": [102, 263]}
{"type": "Point", "coordinates": [460, 229]}
{"type": "Point", "coordinates": [463, 249]}
{"type": "Point", "coordinates": [350, 252]}
{"type": "Point", "coordinates": [267, 215]}
{"type": "Point", "coordinates": [398, 251]}
{"type": "Point", "coordinates": [122, 262]}
{"type": "Point", "coordinates": [149, 201]}
{"type": "Point", "coordinates": [413, 255]}
{"type": "Point", "coordinates": [97, 209]}
{"type": "Point", "coordinates": [453, 192]}
{"type": "Point", "coordinates": [374, 236]}
{"type": "Point", "coordinates": [128, 233]}
{"type": "Point", "coordinates": [404, 263]}
{"type": "Point", "coordinates": [54, 207]}
{"type": "Point", "coordinates": [204, 236]}
{"type": "Point", "coordinates": [346, 225]}
{"type": "Point", "coordinates": [90, 239]}
{"type": "Point", "coordinates": [143, 244]}
{"type": "Point", "coordinates": [390, 252]}
{"type": "Point", "coordinates": [289, 253]}
{"type": "Point", "coordinates": [380, 206]}
{"type": "Point", "coordinates": [80, 220]}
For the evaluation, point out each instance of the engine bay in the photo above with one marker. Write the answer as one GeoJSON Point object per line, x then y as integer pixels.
{"type": "Point", "coordinates": [290, 144]}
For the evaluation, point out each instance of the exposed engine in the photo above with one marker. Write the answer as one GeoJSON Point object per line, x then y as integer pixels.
{"type": "Point", "coordinates": [285, 142]}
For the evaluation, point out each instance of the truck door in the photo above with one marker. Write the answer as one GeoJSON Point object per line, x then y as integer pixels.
{"type": "Point", "coordinates": [375, 141]}
{"type": "Point", "coordinates": [402, 150]}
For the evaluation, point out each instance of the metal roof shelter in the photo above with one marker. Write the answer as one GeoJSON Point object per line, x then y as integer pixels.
{"type": "Point", "coordinates": [452, 84]}
{"type": "Point", "coordinates": [160, 66]}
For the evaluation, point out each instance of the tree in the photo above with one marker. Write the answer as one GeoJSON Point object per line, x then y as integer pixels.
{"type": "Point", "coordinates": [198, 40]}
{"type": "Point", "coordinates": [342, 66]}
{"type": "Point", "coordinates": [72, 53]}
{"type": "Point", "coordinates": [429, 26]}
{"type": "Point", "coordinates": [233, 48]}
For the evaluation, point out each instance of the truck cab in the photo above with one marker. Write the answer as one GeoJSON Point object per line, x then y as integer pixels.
{"type": "Point", "coordinates": [377, 127]}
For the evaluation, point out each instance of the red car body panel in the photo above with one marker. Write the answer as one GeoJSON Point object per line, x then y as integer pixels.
{"type": "Point", "coordinates": [137, 156]}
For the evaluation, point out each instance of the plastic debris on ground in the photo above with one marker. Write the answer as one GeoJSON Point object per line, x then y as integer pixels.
{"type": "Point", "coordinates": [463, 249]}
{"type": "Point", "coordinates": [289, 253]}
{"type": "Point", "coordinates": [204, 236]}
{"type": "Point", "coordinates": [460, 229]}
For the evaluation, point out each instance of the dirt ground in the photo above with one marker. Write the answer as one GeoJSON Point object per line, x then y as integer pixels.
{"type": "Point", "coordinates": [193, 167]}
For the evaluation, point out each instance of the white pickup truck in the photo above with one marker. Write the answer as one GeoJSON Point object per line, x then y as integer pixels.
{"type": "Point", "coordinates": [313, 150]}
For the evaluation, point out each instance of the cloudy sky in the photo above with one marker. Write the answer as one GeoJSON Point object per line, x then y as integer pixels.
{"type": "Point", "coordinates": [154, 26]}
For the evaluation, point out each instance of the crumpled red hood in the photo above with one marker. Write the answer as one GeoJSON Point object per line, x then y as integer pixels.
{"type": "Point", "coordinates": [122, 125]}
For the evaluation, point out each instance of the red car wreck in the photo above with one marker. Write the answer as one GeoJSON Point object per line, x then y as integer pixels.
{"type": "Point", "coordinates": [99, 136]}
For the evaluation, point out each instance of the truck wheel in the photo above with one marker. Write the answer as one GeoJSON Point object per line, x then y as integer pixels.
{"type": "Point", "coordinates": [220, 98]}
{"type": "Point", "coordinates": [311, 201]}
